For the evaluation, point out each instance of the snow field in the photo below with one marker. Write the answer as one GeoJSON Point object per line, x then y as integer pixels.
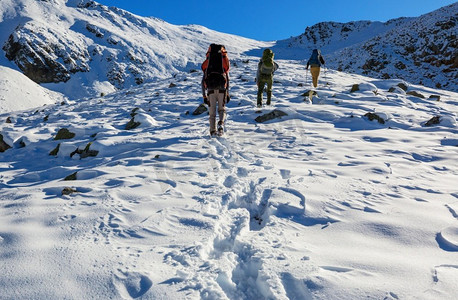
{"type": "Point", "coordinates": [320, 204]}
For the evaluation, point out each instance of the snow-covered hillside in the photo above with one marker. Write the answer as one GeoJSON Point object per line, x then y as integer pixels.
{"type": "Point", "coordinates": [320, 204]}
{"type": "Point", "coordinates": [422, 50]}
{"type": "Point", "coordinates": [125, 196]}
{"type": "Point", "coordinates": [82, 48]}
{"type": "Point", "coordinates": [17, 92]}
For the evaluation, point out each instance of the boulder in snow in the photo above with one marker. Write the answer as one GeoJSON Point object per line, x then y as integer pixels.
{"type": "Point", "coordinates": [200, 109]}
{"type": "Point", "coordinates": [64, 134]}
{"type": "Point", "coordinates": [416, 94]}
{"type": "Point", "coordinates": [86, 152]}
{"type": "Point", "coordinates": [72, 176]}
{"type": "Point", "coordinates": [270, 116]}
{"type": "Point", "coordinates": [68, 191]}
{"type": "Point", "coordinates": [373, 116]}
{"type": "Point", "coordinates": [3, 145]}
{"type": "Point", "coordinates": [433, 121]}
{"type": "Point", "coordinates": [364, 87]}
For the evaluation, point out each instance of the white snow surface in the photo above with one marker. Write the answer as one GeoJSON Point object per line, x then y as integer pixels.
{"type": "Point", "coordinates": [17, 92]}
{"type": "Point", "coordinates": [320, 204]}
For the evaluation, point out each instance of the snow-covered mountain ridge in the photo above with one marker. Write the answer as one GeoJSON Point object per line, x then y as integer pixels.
{"type": "Point", "coordinates": [82, 47]}
{"type": "Point", "coordinates": [422, 50]}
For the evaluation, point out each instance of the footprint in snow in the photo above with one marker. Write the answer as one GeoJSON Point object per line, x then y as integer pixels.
{"type": "Point", "coordinates": [132, 285]}
{"type": "Point", "coordinates": [448, 239]}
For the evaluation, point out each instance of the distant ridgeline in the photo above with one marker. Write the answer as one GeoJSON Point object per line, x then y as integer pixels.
{"type": "Point", "coordinates": [82, 42]}
{"type": "Point", "coordinates": [422, 50]}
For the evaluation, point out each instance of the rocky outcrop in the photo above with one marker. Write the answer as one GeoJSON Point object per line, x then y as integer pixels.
{"type": "Point", "coordinates": [436, 120]}
{"type": "Point", "coordinates": [373, 116]}
{"type": "Point", "coordinates": [270, 116]}
{"type": "Point", "coordinates": [3, 145]}
{"type": "Point", "coordinates": [64, 134]}
{"type": "Point", "coordinates": [200, 110]}
{"type": "Point", "coordinates": [44, 55]}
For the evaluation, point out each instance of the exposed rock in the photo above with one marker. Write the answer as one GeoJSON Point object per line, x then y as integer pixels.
{"type": "Point", "coordinates": [416, 94]}
{"type": "Point", "coordinates": [200, 109]}
{"type": "Point", "coordinates": [95, 30]}
{"type": "Point", "coordinates": [132, 124]}
{"type": "Point", "coordinates": [86, 152]}
{"type": "Point", "coordinates": [172, 85]}
{"type": "Point", "coordinates": [3, 145]}
{"type": "Point", "coordinates": [402, 86]}
{"type": "Point", "coordinates": [270, 116]}
{"type": "Point", "coordinates": [435, 97]}
{"type": "Point", "coordinates": [55, 150]}
{"type": "Point", "coordinates": [72, 176]}
{"type": "Point", "coordinates": [372, 116]}
{"type": "Point", "coordinates": [133, 113]}
{"type": "Point", "coordinates": [64, 134]}
{"type": "Point", "coordinates": [354, 88]}
{"type": "Point", "coordinates": [433, 121]}
{"type": "Point", "coordinates": [8, 120]}
{"type": "Point", "coordinates": [21, 143]}
{"type": "Point", "coordinates": [309, 93]}
{"type": "Point", "coordinates": [43, 56]}
{"type": "Point", "coordinates": [68, 191]}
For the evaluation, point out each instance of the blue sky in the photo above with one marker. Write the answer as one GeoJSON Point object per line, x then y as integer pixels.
{"type": "Point", "coordinates": [273, 20]}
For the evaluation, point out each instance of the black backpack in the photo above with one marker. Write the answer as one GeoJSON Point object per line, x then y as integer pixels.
{"type": "Point", "coordinates": [215, 75]}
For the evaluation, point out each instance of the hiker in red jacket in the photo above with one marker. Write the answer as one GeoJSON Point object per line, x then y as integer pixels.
{"type": "Point", "coordinates": [215, 85]}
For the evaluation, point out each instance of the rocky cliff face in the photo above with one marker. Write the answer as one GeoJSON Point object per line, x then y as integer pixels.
{"type": "Point", "coordinates": [44, 54]}
{"type": "Point", "coordinates": [421, 50]}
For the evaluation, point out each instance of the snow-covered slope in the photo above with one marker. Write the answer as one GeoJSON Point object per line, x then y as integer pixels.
{"type": "Point", "coordinates": [17, 92]}
{"type": "Point", "coordinates": [77, 47]}
{"type": "Point", "coordinates": [423, 50]}
{"type": "Point", "coordinates": [320, 204]}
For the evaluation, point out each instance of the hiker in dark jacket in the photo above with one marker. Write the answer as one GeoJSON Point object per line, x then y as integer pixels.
{"type": "Point", "coordinates": [265, 75]}
{"type": "Point", "coordinates": [315, 61]}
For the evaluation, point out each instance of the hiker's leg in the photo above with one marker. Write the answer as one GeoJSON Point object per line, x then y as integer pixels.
{"type": "Point", "coordinates": [221, 106]}
{"type": "Point", "coordinates": [260, 91]}
{"type": "Point", "coordinates": [269, 90]}
{"type": "Point", "coordinates": [212, 99]}
{"type": "Point", "coordinates": [315, 74]}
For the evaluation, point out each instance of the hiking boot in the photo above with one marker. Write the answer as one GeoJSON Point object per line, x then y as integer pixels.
{"type": "Point", "coordinates": [213, 132]}
{"type": "Point", "coordinates": [220, 126]}
{"type": "Point", "coordinates": [268, 102]}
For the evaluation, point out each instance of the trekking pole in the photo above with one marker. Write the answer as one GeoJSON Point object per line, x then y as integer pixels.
{"type": "Point", "coordinates": [326, 75]}
{"type": "Point", "coordinates": [306, 76]}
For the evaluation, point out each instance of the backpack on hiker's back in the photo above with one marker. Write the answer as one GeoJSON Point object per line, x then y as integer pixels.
{"type": "Point", "coordinates": [316, 59]}
{"type": "Point", "coordinates": [267, 63]}
{"type": "Point", "coordinates": [264, 76]}
{"type": "Point", "coordinates": [216, 68]}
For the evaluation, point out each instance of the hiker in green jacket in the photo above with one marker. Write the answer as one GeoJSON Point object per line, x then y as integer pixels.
{"type": "Point", "coordinates": [265, 74]}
